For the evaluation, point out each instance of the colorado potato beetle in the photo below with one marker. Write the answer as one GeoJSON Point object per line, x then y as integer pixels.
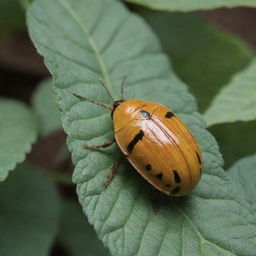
{"type": "Point", "coordinates": [156, 142]}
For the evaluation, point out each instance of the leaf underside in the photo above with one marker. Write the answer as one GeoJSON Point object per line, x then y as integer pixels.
{"type": "Point", "coordinates": [18, 130]}
{"type": "Point", "coordinates": [192, 5]}
{"type": "Point", "coordinates": [85, 40]}
{"type": "Point", "coordinates": [236, 101]}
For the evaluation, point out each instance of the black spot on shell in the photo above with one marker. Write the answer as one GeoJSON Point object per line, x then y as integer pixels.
{"type": "Point", "coordinates": [159, 176]}
{"type": "Point", "coordinates": [148, 167]}
{"type": "Point", "coordinates": [169, 114]}
{"type": "Point", "coordinates": [167, 185]}
{"type": "Point", "coordinates": [176, 177]}
{"type": "Point", "coordinates": [199, 158]}
{"type": "Point", "coordinates": [176, 190]}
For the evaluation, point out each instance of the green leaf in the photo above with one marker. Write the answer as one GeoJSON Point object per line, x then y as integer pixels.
{"type": "Point", "coordinates": [203, 56]}
{"type": "Point", "coordinates": [46, 109]}
{"type": "Point", "coordinates": [230, 137]}
{"type": "Point", "coordinates": [236, 101]}
{"type": "Point", "coordinates": [11, 16]}
{"type": "Point", "coordinates": [191, 5]}
{"type": "Point", "coordinates": [102, 39]}
{"type": "Point", "coordinates": [25, 3]}
{"type": "Point", "coordinates": [29, 213]}
{"type": "Point", "coordinates": [243, 173]}
{"type": "Point", "coordinates": [18, 130]}
{"type": "Point", "coordinates": [76, 234]}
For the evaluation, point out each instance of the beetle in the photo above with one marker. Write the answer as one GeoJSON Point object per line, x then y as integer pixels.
{"type": "Point", "coordinates": [156, 143]}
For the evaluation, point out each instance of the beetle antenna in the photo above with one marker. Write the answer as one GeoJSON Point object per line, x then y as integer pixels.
{"type": "Point", "coordinates": [107, 90]}
{"type": "Point", "coordinates": [92, 101]}
{"type": "Point", "coordinates": [122, 87]}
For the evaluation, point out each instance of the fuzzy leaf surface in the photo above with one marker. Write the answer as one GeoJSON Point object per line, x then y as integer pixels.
{"type": "Point", "coordinates": [18, 130]}
{"type": "Point", "coordinates": [102, 39]}
{"type": "Point", "coordinates": [29, 213]}
{"type": "Point", "coordinates": [236, 101]}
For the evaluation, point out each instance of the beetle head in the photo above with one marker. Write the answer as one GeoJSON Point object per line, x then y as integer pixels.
{"type": "Point", "coordinates": [115, 105]}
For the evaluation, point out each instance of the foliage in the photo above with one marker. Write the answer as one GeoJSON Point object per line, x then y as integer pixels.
{"type": "Point", "coordinates": [243, 173]}
{"type": "Point", "coordinates": [190, 5]}
{"type": "Point", "coordinates": [18, 131]}
{"type": "Point", "coordinates": [29, 220]}
{"type": "Point", "coordinates": [107, 47]}
{"type": "Point", "coordinates": [46, 109]}
{"type": "Point", "coordinates": [236, 101]}
{"type": "Point", "coordinates": [203, 56]}
{"type": "Point", "coordinates": [11, 17]}
{"type": "Point", "coordinates": [76, 234]}
{"type": "Point", "coordinates": [206, 58]}
{"type": "Point", "coordinates": [82, 41]}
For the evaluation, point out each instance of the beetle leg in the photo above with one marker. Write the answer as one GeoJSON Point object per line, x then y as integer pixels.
{"type": "Point", "coordinates": [105, 145]}
{"type": "Point", "coordinates": [113, 171]}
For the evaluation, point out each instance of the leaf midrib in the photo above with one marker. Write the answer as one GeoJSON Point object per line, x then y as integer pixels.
{"type": "Point", "coordinates": [95, 48]}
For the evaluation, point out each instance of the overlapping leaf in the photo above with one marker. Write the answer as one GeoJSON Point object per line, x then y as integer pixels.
{"type": "Point", "coordinates": [203, 56]}
{"type": "Point", "coordinates": [18, 130]}
{"type": "Point", "coordinates": [29, 213]}
{"type": "Point", "coordinates": [85, 40]}
{"type": "Point", "coordinates": [192, 5]}
{"type": "Point", "coordinates": [236, 101]}
{"type": "Point", "coordinates": [46, 109]}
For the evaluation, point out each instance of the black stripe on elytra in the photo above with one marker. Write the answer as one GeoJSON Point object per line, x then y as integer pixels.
{"type": "Point", "coordinates": [176, 190]}
{"type": "Point", "coordinates": [159, 176]}
{"type": "Point", "coordinates": [198, 158]}
{"type": "Point", "coordinates": [135, 140]}
{"type": "Point", "coordinates": [176, 177]}
{"type": "Point", "coordinates": [169, 114]}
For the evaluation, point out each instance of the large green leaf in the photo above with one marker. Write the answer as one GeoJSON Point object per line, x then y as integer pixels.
{"type": "Point", "coordinates": [236, 101]}
{"type": "Point", "coordinates": [46, 109]}
{"type": "Point", "coordinates": [84, 40]}
{"type": "Point", "coordinates": [203, 56]}
{"type": "Point", "coordinates": [76, 234]}
{"type": "Point", "coordinates": [29, 213]}
{"type": "Point", "coordinates": [243, 173]}
{"type": "Point", "coordinates": [18, 130]}
{"type": "Point", "coordinates": [190, 5]}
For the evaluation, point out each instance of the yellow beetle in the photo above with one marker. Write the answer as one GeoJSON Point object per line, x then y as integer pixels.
{"type": "Point", "coordinates": [156, 142]}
